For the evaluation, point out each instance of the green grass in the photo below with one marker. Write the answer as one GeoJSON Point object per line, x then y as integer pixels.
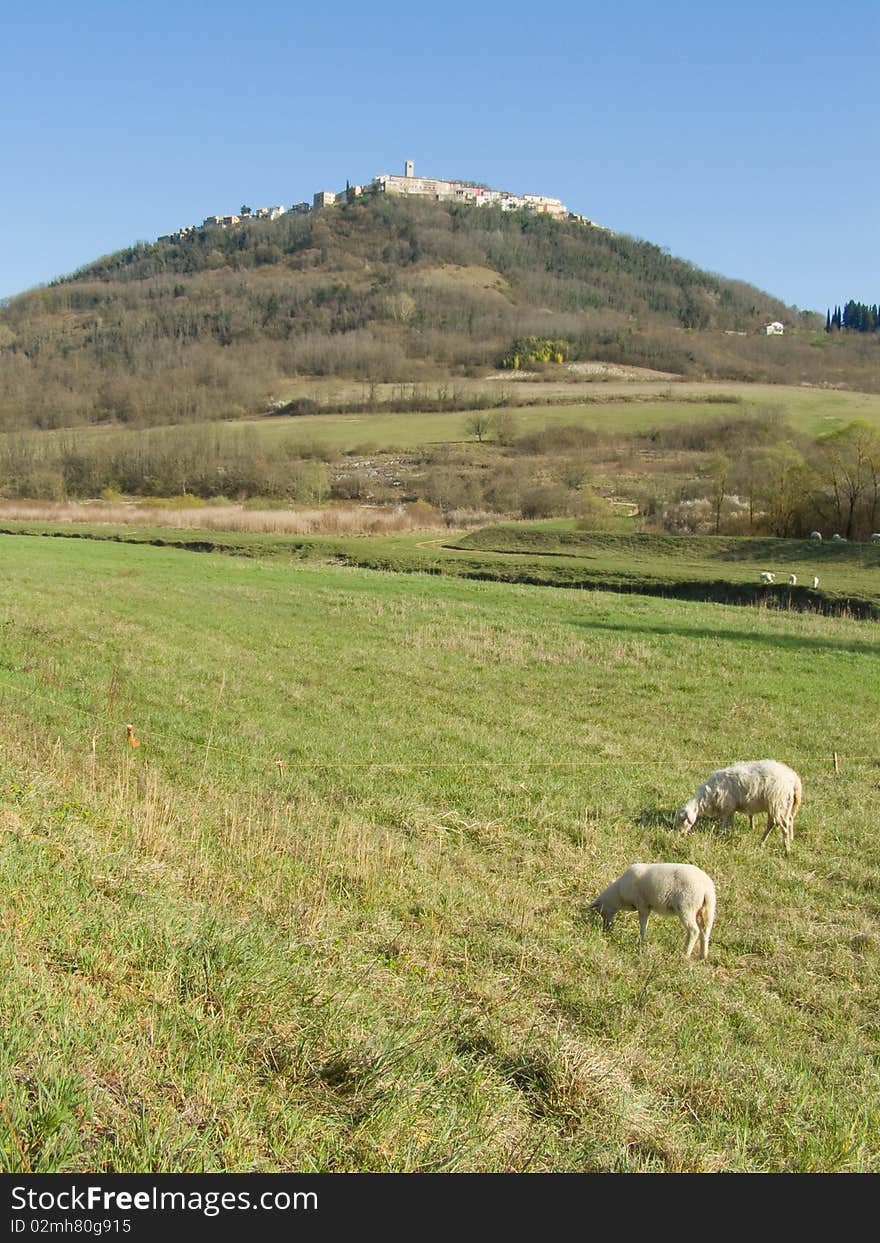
{"type": "Point", "coordinates": [374, 955]}
{"type": "Point", "coordinates": [635, 406]}
{"type": "Point", "coordinates": [844, 569]}
{"type": "Point", "coordinates": [810, 411]}
{"type": "Point", "coordinates": [557, 553]}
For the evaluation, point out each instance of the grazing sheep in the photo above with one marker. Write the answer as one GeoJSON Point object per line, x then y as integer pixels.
{"type": "Point", "coordinates": [752, 787]}
{"type": "Point", "coordinates": [838, 538]}
{"type": "Point", "coordinates": [875, 538]}
{"type": "Point", "coordinates": [815, 535]}
{"type": "Point", "coordinates": [666, 889]}
{"type": "Point", "coordinates": [767, 577]}
{"type": "Point", "coordinates": [792, 580]}
{"type": "Point", "coordinates": [815, 582]}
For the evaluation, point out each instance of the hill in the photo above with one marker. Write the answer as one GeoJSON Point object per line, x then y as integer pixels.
{"type": "Point", "coordinates": [220, 323]}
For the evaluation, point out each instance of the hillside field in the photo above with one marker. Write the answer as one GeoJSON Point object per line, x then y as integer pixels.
{"type": "Point", "coordinates": [330, 914]}
{"type": "Point", "coordinates": [622, 406]}
{"type": "Point", "coordinates": [616, 407]}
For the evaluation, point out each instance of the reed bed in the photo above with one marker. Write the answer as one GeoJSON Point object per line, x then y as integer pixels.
{"type": "Point", "coordinates": [349, 520]}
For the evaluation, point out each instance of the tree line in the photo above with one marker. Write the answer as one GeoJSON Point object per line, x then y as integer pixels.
{"type": "Point", "coordinates": [743, 473]}
{"type": "Point", "coordinates": [853, 317]}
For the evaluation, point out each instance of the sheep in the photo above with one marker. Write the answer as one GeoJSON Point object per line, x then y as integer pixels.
{"type": "Point", "coordinates": [767, 577]}
{"type": "Point", "coordinates": [815, 535]}
{"type": "Point", "coordinates": [815, 581]}
{"type": "Point", "coordinates": [752, 787]}
{"type": "Point", "coordinates": [666, 889]}
{"type": "Point", "coordinates": [875, 538]}
{"type": "Point", "coordinates": [792, 580]}
{"type": "Point", "coordinates": [838, 539]}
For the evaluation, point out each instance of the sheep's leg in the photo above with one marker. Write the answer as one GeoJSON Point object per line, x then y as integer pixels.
{"type": "Point", "coordinates": [690, 940]}
{"type": "Point", "coordinates": [643, 926]}
{"type": "Point", "coordinates": [768, 830]}
{"type": "Point", "coordinates": [787, 835]}
{"type": "Point", "coordinates": [724, 825]}
{"type": "Point", "coordinates": [705, 930]}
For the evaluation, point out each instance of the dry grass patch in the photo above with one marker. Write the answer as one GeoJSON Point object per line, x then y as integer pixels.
{"type": "Point", "coordinates": [353, 520]}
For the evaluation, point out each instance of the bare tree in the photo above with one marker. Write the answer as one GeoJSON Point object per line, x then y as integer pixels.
{"type": "Point", "coordinates": [846, 470]}
{"type": "Point", "coordinates": [479, 424]}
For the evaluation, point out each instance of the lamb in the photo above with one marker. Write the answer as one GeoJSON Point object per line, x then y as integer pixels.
{"type": "Point", "coordinates": [767, 577]}
{"type": "Point", "coordinates": [752, 787]}
{"type": "Point", "coordinates": [792, 580]}
{"type": "Point", "coordinates": [666, 889]}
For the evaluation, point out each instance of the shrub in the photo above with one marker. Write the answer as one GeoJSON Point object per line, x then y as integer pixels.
{"type": "Point", "coordinates": [39, 484]}
{"type": "Point", "coordinates": [558, 439]}
{"type": "Point", "coordinates": [594, 512]}
{"type": "Point", "coordinates": [447, 489]}
{"type": "Point", "coordinates": [348, 488]}
{"type": "Point", "coordinates": [309, 482]}
{"type": "Point", "coordinates": [505, 486]}
{"type": "Point", "coordinates": [299, 405]}
{"type": "Point", "coordinates": [505, 427]}
{"type": "Point", "coordinates": [546, 501]}
{"type": "Point", "coordinates": [526, 351]}
{"type": "Point", "coordinates": [422, 513]}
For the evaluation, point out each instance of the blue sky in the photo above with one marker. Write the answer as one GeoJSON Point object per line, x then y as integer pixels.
{"type": "Point", "coordinates": [742, 138]}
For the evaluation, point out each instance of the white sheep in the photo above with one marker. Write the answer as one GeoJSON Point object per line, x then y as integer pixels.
{"type": "Point", "coordinates": [838, 539]}
{"type": "Point", "coordinates": [815, 535]}
{"type": "Point", "coordinates": [666, 889]}
{"type": "Point", "coordinates": [792, 580]}
{"type": "Point", "coordinates": [751, 787]}
{"type": "Point", "coordinates": [875, 538]}
{"type": "Point", "coordinates": [815, 582]}
{"type": "Point", "coordinates": [767, 577]}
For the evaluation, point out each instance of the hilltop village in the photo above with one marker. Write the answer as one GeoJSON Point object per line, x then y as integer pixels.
{"type": "Point", "coordinates": [436, 188]}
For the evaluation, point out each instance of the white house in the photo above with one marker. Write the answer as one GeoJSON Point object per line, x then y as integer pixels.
{"type": "Point", "coordinates": [776, 329]}
{"type": "Point", "coordinates": [268, 213]}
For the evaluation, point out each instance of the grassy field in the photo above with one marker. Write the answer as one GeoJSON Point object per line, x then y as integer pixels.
{"type": "Point", "coordinates": [627, 408]}
{"type": "Point", "coordinates": [556, 553]}
{"type": "Point", "coordinates": [844, 569]}
{"type": "Point", "coordinates": [330, 914]}
{"type": "Point", "coordinates": [632, 405]}
{"type": "Point", "coordinates": [622, 406]}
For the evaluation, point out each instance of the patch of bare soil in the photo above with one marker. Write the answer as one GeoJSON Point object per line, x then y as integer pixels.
{"type": "Point", "coordinates": [589, 371]}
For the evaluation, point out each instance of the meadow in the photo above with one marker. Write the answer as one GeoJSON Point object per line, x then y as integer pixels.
{"type": "Point", "coordinates": [551, 553]}
{"type": "Point", "coordinates": [330, 913]}
{"type": "Point", "coordinates": [618, 406]}
{"type": "Point", "coordinates": [632, 405]}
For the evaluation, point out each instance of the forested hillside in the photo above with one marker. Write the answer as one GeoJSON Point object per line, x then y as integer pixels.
{"type": "Point", "coordinates": [380, 289]}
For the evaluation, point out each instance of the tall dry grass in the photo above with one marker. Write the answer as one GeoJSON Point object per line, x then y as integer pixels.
{"type": "Point", "coordinates": [350, 520]}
